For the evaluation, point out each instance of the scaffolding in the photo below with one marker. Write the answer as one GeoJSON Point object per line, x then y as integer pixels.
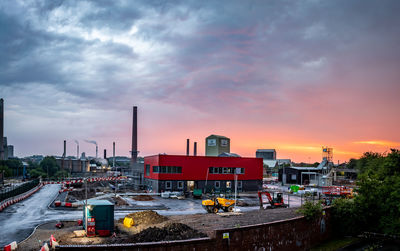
{"type": "Point", "coordinates": [327, 153]}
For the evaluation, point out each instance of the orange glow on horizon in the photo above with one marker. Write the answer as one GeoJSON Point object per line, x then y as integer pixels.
{"type": "Point", "coordinates": [379, 143]}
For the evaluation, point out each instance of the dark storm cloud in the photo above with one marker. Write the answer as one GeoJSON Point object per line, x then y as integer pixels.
{"type": "Point", "coordinates": [112, 14]}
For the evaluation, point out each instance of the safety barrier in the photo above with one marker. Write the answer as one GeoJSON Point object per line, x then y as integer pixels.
{"type": "Point", "coordinates": [12, 246]}
{"type": "Point", "coordinates": [52, 243]}
{"type": "Point", "coordinates": [22, 188]}
{"type": "Point", "coordinates": [12, 201]}
{"type": "Point", "coordinates": [82, 180]}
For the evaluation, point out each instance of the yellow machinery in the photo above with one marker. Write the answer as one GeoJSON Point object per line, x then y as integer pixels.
{"type": "Point", "coordinates": [215, 204]}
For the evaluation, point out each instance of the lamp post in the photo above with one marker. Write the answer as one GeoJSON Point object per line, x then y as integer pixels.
{"type": "Point", "coordinates": [86, 219]}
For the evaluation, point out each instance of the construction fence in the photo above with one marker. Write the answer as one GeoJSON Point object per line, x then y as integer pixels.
{"type": "Point", "coordinates": [12, 191]}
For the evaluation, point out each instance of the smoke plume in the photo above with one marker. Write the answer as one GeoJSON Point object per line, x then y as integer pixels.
{"type": "Point", "coordinates": [91, 141]}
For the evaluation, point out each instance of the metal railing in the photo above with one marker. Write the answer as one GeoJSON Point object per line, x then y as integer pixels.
{"type": "Point", "coordinates": [14, 191]}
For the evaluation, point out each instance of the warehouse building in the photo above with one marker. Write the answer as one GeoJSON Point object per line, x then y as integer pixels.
{"type": "Point", "coordinates": [185, 173]}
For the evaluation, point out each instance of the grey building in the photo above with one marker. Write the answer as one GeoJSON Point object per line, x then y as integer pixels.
{"type": "Point", "coordinates": [216, 145]}
{"type": "Point", "coordinates": [266, 154]}
{"type": "Point", "coordinates": [10, 151]}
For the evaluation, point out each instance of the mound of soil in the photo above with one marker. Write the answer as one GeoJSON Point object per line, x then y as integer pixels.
{"type": "Point", "coordinates": [142, 198]}
{"type": "Point", "coordinates": [80, 194]}
{"type": "Point", "coordinates": [171, 231]}
{"type": "Point", "coordinates": [119, 201]}
{"type": "Point", "coordinates": [145, 217]}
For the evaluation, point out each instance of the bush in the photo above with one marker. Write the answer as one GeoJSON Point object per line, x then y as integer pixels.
{"type": "Point", "coordinates": [311, 210]}
{"type": "Point", "coordinates": [346, 217]}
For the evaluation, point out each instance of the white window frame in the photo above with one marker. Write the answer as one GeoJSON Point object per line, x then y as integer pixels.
{"type": "Point", "coordinates": [217, 182]}
{"type": "Point", "coordinates": [168, 185]}
{"type": "Point", "coordinates": [180, 185]}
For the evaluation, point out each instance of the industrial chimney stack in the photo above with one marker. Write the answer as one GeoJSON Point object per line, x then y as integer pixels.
{"type": "Point", "coordinates": [187, 147]}
{"type": "Point", "coordinates": [195, 149]}
{"type": "Point", "coordinates": [113, 154]}
{"type": "Point", "coordinates": [2, 157]}
{"type": "Point", "coordinates": [105, 154]}
{"type": "Point", "coordinates": [65, 149]}
{"type": "Point", "coordinates": [97, 151]}
{"type": "Point", "coordinates": [134, 152]}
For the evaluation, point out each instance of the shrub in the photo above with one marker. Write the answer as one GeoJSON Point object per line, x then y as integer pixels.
{"type": "Point", "coordinates": [311, 210]}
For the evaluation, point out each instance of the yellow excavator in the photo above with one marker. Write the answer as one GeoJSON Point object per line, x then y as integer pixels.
{"type": "Point", "coordinates": [213, 205]}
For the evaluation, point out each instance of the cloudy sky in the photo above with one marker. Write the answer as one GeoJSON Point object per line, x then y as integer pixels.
{"type": "Point", "coordinates": [290, 75]}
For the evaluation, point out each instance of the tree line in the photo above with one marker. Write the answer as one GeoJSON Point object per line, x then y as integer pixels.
{"type": "Point", "coordinates": [47, 168]}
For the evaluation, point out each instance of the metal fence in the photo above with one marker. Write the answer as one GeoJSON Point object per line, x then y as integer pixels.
{"type": "Point", "coordinates": [13, 191]}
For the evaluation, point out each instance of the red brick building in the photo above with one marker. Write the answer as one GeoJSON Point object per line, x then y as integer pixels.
{"type": "Point", "coordinates": [184, 173]}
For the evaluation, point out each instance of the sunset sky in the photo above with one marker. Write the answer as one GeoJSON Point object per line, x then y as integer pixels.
{"type": "Point", "coordinates": [289, 75]}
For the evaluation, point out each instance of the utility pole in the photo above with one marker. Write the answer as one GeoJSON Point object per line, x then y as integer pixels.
{"type": "Point", "coordinates": [86, 219]}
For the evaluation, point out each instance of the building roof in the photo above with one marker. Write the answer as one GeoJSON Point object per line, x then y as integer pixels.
{"type": "Point", "coordinates": [224, 154]}
{"type": "Point", "coordinates": [266, 150]}
{"type": "Point", "coordinates": [270, 163]}
{"type": "Point", "coordinates": [217, 136]}
{"type": "Point", "coordinates": [99, 202]}
{"type": "Point", "coordinates": [284, 161]}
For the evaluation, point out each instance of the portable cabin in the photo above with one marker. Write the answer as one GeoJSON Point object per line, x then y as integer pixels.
{"type": "Point", "coordinates": [100, 217]}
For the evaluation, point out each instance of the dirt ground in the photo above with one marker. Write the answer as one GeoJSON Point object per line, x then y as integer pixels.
{"type": "Point", "coordinates": [150, 226]}
{"type": "Point", "coordinates": [142, 198]}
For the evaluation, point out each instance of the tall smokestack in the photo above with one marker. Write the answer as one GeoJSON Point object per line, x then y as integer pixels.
{"type": "Point", "coordinates": [105, 154]}
{"type": "Point", "coordinates": [65, 149]}
{"type": "Point", "coordinates": [2, 129]}
{"type": "Point", "coordinates": [187, 147]}
{"type": "Point", "coordinates": [97, 151]}
{"type": "Point", "coordinates": [113, 154]}
{"type": "Point", "coordinates": [134, 151]}
{"type": "Point", "coordinates": [195, 149]}
{"type": "Point", "coordinates": [77, 149]}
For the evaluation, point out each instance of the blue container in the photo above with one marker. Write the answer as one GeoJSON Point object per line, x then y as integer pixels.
{"type": "Point", "coordinates": [103, 213]}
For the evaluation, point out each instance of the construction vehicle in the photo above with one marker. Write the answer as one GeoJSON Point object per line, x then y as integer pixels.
{"type": "Point", "coordinates": [276, 200]}
{"type": "Point", "coordinates": [213, 205]}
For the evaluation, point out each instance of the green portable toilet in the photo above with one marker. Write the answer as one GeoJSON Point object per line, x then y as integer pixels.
{"type": "Point", "coordinates": [101, 212]}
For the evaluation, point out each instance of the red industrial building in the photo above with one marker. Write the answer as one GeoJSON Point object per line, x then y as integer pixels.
{"type": "Point", "coordinates": [183, 173]}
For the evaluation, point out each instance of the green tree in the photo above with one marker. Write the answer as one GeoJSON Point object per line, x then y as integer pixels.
{"type": "Point", "coordinates": [352, 164]}
{"type": "Point", "coordinates": [37, 172]}
{"type": "Point", "coordinates": [61, 174]}
{"type": "Point", "coordinates": [32, 165]}
{"type": "Point", "coordinates": [15, 166]}
{"type": "Point", "coordinates": [7, 171]}
{"type": "Point", "coordinates": [49, 165]}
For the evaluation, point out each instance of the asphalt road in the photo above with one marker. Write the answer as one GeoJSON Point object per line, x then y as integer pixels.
{"type": "Point", "coordinates": [18, 220]}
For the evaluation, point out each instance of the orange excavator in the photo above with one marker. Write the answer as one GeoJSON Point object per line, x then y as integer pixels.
{"type": "Point", "coordinates": [275, 201]}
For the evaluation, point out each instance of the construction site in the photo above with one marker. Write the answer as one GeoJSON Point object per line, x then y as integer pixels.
{"type": "Point", "coordinates": [184, 201]}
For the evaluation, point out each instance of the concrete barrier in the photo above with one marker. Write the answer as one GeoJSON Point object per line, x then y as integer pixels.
{"type": "Point", "coordinates": [12, 246]}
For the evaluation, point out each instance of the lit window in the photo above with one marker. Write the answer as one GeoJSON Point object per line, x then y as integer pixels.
{"type": "Point", "coordinates": [228, 184]}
